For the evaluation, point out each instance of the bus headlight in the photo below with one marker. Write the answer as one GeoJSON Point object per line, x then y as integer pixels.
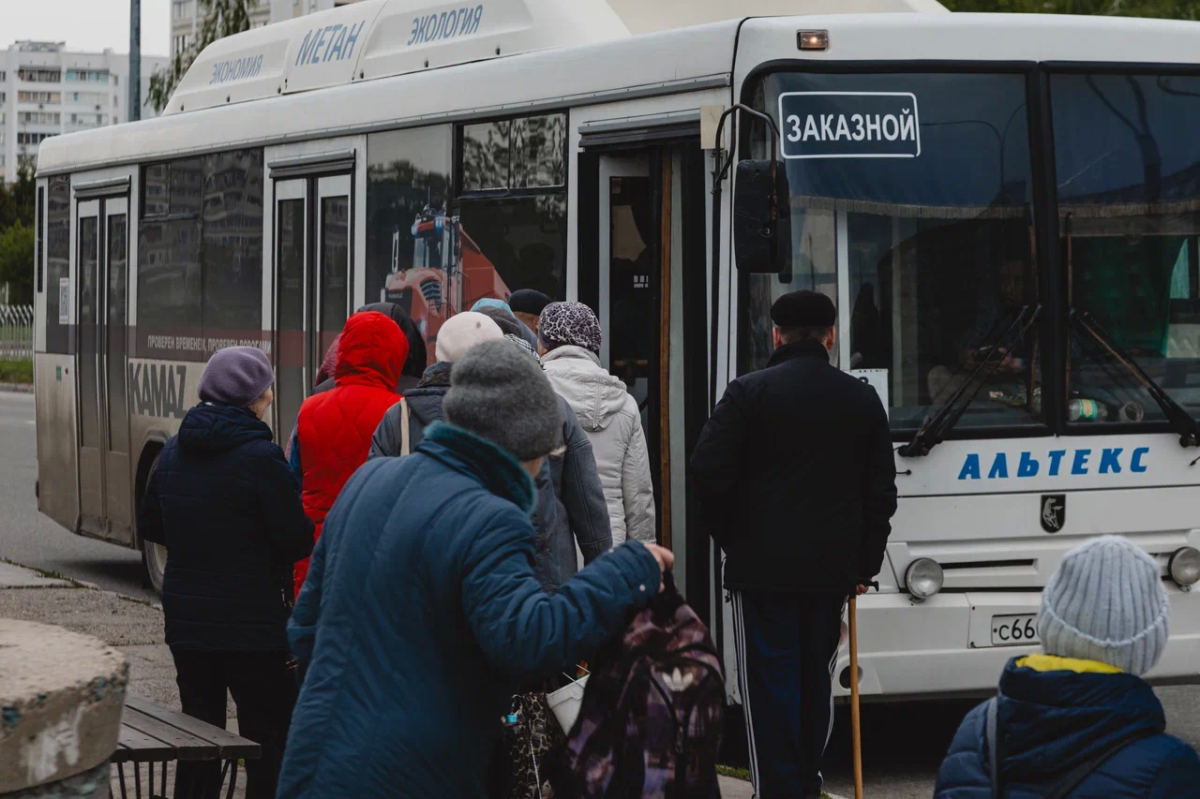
{"type": "Point", "coordinates": [924, 578]}
{"type": "Point", "coordinates": [1185, 566]}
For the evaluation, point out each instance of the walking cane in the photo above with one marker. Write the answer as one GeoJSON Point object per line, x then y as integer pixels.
{"type": "Point", "coordinates": [855, 722]}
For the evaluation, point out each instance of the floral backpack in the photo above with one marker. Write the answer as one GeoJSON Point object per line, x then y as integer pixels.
{"type": "Point", "coordinates": [650, 722]}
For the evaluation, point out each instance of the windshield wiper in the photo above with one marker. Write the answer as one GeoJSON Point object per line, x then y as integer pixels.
{"type": "Point", "coordinates": [935, 429]}
{"type": "Point", "coordinates": [1181, 421]}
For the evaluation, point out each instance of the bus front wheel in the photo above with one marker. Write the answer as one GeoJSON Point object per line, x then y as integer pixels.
{"type": "Point", "coordinates": [154, 556]}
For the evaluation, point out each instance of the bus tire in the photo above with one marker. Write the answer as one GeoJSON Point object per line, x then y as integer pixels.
{"type": "Point", "coordinates": [154, 556]}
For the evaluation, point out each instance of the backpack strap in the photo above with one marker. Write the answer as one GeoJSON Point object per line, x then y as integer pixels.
{"type": "Point", "coordinates": [404, 432]}
{"type": "Point", "coordinates": [1081, 772]}
{"type": "Point", "coordinates": [993, 740]}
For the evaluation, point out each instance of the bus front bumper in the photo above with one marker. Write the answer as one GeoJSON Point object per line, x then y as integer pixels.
{"type": "Point", "coordinates": [955, 644]}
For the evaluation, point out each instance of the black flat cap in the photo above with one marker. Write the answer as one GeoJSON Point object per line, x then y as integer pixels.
{"type": "Point", "coordinates": [528, 301]}
{"type": "Point", "coordinates": [803, 309]}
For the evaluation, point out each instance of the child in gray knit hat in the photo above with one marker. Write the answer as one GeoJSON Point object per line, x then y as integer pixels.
{"type": "Point", "coordinates": [1076, 719]}
{"type": "Point", "coordinates": [1106, 602]}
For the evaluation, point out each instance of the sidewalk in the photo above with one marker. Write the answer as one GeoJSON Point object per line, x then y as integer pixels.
{"type": "Point", "coordinates": [136, 628]}
{"type": "Point", "coordinates": [132, 626]}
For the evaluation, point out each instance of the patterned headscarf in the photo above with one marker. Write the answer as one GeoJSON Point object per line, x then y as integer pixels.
{"type": "Point", "coordinates": [524, 345]}
{"type": "Point", "coordinates": [570, 323]}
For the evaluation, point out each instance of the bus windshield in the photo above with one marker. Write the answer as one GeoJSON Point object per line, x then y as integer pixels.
{"type": "Point", "coordinates": [1127, 165]}
{"type": "Point", "coordinates": [918, 186]}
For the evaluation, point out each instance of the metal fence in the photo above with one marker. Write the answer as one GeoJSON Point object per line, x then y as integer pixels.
{"type": "Point", "coordinates": [16, 332]}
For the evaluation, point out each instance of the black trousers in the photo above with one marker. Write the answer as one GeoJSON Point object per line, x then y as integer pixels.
{"type": "Point", "coordinates": [787, 648]}
{"type": "Point", "coordinates": [264, 690]}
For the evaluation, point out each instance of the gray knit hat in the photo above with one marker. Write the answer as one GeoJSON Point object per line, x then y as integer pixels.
{"type": "Point", "coordinates": [235, 376]}
{"type": "Point", "coordinates": [501, 394]}
{"type": "Point", "coordinates": [1106, 602]}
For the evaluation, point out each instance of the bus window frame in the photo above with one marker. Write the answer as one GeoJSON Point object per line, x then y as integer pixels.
{"type": "Point", "coordinates": [1044, 203]}
{"type": "Point", "coordinates": [304, 183]}
{"type": "Point", "coordinates": [458, 151]}
{"type": "Point", "coordinates": [1048, 70]}
{"type": "Point", "coordinates": [1052, 275]}
{"type": "Point", "coordinates": [458, 196]}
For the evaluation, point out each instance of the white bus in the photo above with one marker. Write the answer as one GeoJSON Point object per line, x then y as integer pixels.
{"type": "Point", "coordinates": [1005, 209]}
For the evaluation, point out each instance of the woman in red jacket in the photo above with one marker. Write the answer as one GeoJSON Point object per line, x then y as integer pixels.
{"type": "Point", "coordinates": [334, 429]}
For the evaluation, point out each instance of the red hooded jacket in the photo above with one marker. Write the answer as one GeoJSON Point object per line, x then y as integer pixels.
{"type": "Point", "coordinates": [334, 428]}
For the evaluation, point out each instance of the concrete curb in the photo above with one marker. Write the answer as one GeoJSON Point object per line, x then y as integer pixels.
{"type": "Point", "coordinates": [17, 388]}
{"type": "Point", "coordinates": [59, 581]}
{"type": "Point", "coordinates": [72, 583]}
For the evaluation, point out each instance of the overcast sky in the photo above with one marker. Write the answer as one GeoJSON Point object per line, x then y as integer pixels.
{"type": "Point", "coordinates": [86, 24]}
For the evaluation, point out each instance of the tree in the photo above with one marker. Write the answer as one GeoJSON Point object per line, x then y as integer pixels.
{"type": "Point", "coordinates": [16, 262]}
{"type": "Point", "coordinates": [16, 235]}
{"type": "Point", "coordinates": [1165, 9]}
{"type": "Point", "coordinates": [219, 18]}
{"type": "Point", "coordinates": [17, 198]}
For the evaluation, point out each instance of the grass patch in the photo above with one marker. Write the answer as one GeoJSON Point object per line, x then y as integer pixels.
{"type": "Point", "coordinates": [135, 600]}
{"type": "Point", "coordinates": [16, 371]}
{"type": "Point", "coordinates": [736, 773]}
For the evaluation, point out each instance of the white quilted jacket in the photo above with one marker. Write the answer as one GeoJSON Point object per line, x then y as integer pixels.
{"type": "Point", "coordinates": [609, 415]}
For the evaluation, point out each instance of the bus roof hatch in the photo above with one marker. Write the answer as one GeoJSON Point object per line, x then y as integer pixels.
{"type": "Point", "coordinates": [381, 38]}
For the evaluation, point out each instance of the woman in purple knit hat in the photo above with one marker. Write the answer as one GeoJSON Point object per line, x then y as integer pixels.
{"type": "Point", "coordinates": [227, 508]}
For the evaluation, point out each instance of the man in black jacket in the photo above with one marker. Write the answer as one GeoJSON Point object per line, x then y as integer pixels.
{"type": "Point", "coordinates": [797, 484]}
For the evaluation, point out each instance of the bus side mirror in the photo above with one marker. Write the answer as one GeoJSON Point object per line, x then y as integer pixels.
{"type": "Point", "coordinates": [762, 229]}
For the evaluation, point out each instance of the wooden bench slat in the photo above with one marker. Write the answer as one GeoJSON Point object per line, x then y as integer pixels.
{"type": "Point", "coordinates": [186, 745]}
{"type": "Point", "coordinates": [228, 744]}
{"type": "Point", "coordinates": [138, 747]}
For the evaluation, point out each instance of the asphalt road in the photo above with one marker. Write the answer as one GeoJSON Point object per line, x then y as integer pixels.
{"type": "Point", "coordinates": [28, 538]}
{"type": "Point", "coordinates": [903, 744]}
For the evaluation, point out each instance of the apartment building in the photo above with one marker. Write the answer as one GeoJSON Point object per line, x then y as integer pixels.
{"type": "Point", "coordinates": [47, 90]}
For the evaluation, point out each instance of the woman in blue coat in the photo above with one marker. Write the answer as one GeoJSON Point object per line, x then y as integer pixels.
{"type": "Point", "coordinates": [1079, 718]}
{"type": "Point", "coordinates": [422, 613]}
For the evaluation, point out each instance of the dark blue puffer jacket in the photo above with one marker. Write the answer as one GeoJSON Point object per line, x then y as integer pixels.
{"type": "Point", "coordinates": [227, 507]}
{"type": "Point", "coordinates": [422, 615]}
{"type": "Point", "coordinates": [1051, 721]}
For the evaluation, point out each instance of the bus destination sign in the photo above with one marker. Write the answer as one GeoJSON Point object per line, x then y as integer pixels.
{"type": "Point", "coordinates": [849, 125]}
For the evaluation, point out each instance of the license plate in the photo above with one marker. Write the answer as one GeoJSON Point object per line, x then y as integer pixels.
{"type": "Point", "coordinates": [1014, 630]}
